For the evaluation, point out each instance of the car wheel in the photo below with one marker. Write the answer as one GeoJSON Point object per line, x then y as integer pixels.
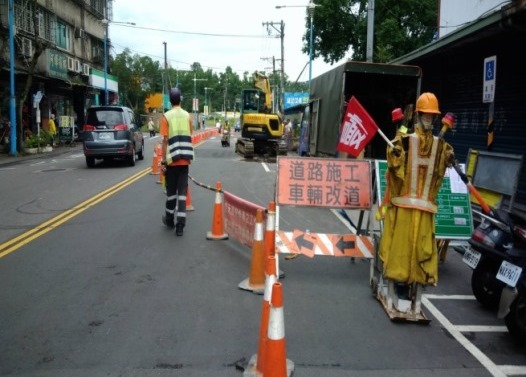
{"type": "Point", "coordinates": [90, 161]}
{"type": "Point", "coordinates": [140, 155]}
{"type": "Point", "coordinates": [131, 157]}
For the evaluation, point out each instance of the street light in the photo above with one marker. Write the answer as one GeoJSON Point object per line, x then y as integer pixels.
{"type": "Point", "coordinates": [106, 23]}
{"type": "Point", "coordinates": [311, 6]}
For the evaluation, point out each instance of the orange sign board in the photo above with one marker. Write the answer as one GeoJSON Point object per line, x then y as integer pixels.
{"type": "Point", "coordinates": [324, 182]}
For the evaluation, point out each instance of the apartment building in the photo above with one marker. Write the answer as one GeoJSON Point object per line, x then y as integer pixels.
{"type": "Point", "coordinates": [69, 72]}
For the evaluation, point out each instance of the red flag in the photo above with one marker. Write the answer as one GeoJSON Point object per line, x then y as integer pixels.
{"type": "Point", "coordinates": [357, 130]}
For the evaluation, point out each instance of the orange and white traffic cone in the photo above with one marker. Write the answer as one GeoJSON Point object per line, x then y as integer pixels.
{"type": "Point", "coordinates": [276, 362]}
{"type": "Point", "coordinates": [255, 282]}
{"type": "Point", "coordinates": [156, 161]}
{"type": "Point", "coordinates": [160, 179]}
{"type": "Point", "coordinates": [189, 205]}
{"type": "Point", "coordinates": [256, 364]}
{"type": "Point", "coordinates": [217, 232]}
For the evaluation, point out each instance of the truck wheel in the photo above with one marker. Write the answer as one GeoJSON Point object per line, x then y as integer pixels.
{"type": "Point", "coordinates": [485, 286]}
{"type": "Point", "coordinates": [516, 319]}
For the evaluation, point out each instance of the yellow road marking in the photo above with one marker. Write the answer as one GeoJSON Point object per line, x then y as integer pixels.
{"type": "Point", "coordinates": [9, 246]}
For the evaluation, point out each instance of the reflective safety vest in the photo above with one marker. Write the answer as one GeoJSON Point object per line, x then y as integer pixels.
{"type": "Point", "coordinates": [179, 136]}
{"type": "Point", "coordinates": [419, 180]}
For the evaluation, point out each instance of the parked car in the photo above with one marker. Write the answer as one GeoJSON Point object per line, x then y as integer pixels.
{"type": "Point", "coordinates": [112, 132]}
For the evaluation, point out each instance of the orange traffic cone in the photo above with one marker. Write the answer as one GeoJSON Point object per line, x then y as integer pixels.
{"type": "Point", "coordinates": [156, 165]}
{"type": "Point", "coordinates": [189, 206]}
{"type": "Point", "coordinates": [256, 364]}
{"type": "Point", "coordinates": [160, 179]}
{"type": "Point", "coordinates": [217, 232]}
{"type": "Point", "coordinates": [276, 363]}
{"type": "Point", "coordinates": [255, 282]}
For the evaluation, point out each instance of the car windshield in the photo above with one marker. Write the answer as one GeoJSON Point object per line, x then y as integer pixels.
{"type": "Point", "coordinates": [108, 117]}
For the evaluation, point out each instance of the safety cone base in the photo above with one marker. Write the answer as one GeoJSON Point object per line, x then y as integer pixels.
{"type": "Point", "coordinates": [251, 371]}
{"type": "Point", "coordinates": [246, 286]}
{"type": "Point", "coordinates": [211, 236]}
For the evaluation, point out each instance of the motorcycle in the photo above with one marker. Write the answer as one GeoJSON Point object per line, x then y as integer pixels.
{"type": "Point", "coordinates": [497, 255]}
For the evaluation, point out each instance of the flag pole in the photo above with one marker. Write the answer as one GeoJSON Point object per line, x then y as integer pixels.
{"type": "Point", "coordinates": [385, 138]}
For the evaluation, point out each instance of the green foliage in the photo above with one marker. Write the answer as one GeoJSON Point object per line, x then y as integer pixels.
{"type": "Point", "coordinates": [34, 141]}
{"type": "Point", "coordinates": [340, 27]}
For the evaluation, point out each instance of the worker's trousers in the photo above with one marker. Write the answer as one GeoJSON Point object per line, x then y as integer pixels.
{"type": "Point", "coordinates": [176, 187]}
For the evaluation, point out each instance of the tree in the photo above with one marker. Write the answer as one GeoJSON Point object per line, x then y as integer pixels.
{"type": "Point", "coordinates": [401, 26]}
{"type": "Point", "coordinates": [39, 46]}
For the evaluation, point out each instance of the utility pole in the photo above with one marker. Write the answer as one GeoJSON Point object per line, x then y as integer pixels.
{"type": "Point", "coordinates": [281, 33]}
{"type": "Point", "coordinates": [165, 77]}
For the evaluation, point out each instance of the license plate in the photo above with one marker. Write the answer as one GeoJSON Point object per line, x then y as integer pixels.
{"type": "Point", "coordinates": [105, 135]}
{"type": "Point", "coordinates": [471, 257]}
{"type": "Point", "coordinates": [509, 273]}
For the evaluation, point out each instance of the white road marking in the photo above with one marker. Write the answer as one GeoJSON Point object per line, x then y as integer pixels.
{"type": "Point", "coordinates": [265, 166]}
{"type": "Point", "coordinates": [451, 297]}
{"type": "Point", "coordinates": [470, 347]}
{"type": "Point", "coordinates": [467, 328]}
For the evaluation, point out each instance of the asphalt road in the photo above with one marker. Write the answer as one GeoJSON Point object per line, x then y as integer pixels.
{"type": "Point", "coordinates": [108, 291]}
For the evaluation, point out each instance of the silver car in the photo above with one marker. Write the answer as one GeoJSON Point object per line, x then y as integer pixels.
{"type": "Point", "coordinates": [112, 132]}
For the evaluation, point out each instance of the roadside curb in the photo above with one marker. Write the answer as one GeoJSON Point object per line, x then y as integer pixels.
{"type": "Point", "coordinates": [7, 160]}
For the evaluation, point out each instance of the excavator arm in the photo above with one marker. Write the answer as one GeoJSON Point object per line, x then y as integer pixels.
{"type": "Point", "coordinates": [262, 83]}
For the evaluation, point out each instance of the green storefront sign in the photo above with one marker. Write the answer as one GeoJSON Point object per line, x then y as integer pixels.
{"type": "Point", "coordinates": [58, 64]}
{"type": "Point", "coordinates": [454, 218]}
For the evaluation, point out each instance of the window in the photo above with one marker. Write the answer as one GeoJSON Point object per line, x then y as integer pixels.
{"type": "Point", "coordinates": [63, 35]}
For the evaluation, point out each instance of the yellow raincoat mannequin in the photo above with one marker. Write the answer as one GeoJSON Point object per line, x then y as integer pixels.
{"type": "Point", "coordinates": [416, 167]}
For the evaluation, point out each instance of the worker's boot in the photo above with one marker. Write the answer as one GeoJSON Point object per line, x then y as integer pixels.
{"type": "Point", "coordinates": [179, 229]}
{"type": "Point", "coordinates": [168, 221]}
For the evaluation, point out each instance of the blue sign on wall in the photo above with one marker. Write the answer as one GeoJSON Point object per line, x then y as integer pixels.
{"type": "Point", "coordinates": [293, 99]}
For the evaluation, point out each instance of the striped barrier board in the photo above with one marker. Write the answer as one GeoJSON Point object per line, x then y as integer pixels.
{"type": "Point", "coordinates": [336, 245]}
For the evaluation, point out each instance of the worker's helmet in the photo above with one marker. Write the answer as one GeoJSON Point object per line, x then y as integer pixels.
{"type": "Point", "coordinates": [427, 103]}
{"type": "Point", "coordinates": [175, 96]}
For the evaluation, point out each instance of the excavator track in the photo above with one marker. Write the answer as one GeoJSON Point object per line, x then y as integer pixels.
{"type": "Point", "coordinates": [245, 148]}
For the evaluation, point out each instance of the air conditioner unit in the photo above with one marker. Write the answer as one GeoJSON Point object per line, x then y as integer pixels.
{"type": "Point", "coordinates": [78, 66]}
{"type": "Point", "coordinates": [71, 64]}
{"type": "Point", "coordinates": [85, 69]}
{"type": "Point", "coordinates": [26, 47]}
{"type": "Point", "coordinates": [80, 33]}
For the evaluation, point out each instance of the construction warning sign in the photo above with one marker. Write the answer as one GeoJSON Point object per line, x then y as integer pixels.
{"type": "Point", "coordinates": [324, 182]}
{"type": "Point", "coordinates": [336, 245]}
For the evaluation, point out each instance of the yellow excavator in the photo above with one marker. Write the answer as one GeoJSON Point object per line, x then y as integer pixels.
{"type": "Point", "coordinates": [261, 130]}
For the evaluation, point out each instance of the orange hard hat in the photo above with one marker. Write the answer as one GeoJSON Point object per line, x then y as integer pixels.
{"type": "Point", "coordinates": [427, 103]}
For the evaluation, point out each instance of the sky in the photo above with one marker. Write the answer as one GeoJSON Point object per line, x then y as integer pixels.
{"type": "Point", "coordinates": [216, 34]}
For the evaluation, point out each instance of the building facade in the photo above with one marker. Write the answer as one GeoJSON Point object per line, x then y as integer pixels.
{"type": "Point", "coordinates": [454, 68]}
{"type": "Point", "coordinates": [69, 72]}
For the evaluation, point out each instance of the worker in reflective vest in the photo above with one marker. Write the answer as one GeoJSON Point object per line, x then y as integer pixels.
{"type": "Point", "coordinates": [177, 153]}
{"type": "Point", "coordinates": [416, 167]}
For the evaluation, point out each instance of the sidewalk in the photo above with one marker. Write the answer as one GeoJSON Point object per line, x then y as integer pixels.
{"type": "Point", "coordinates": [6, 159]}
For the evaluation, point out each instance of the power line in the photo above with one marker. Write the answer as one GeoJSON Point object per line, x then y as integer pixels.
{"type": "Point", "coordinates": [197, 33]}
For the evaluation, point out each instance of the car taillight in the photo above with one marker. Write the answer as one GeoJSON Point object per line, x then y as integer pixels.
{"type": "Point", "coordinates": [88, 127]}
{"type": "Point", "coordinates": [121, 127]}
